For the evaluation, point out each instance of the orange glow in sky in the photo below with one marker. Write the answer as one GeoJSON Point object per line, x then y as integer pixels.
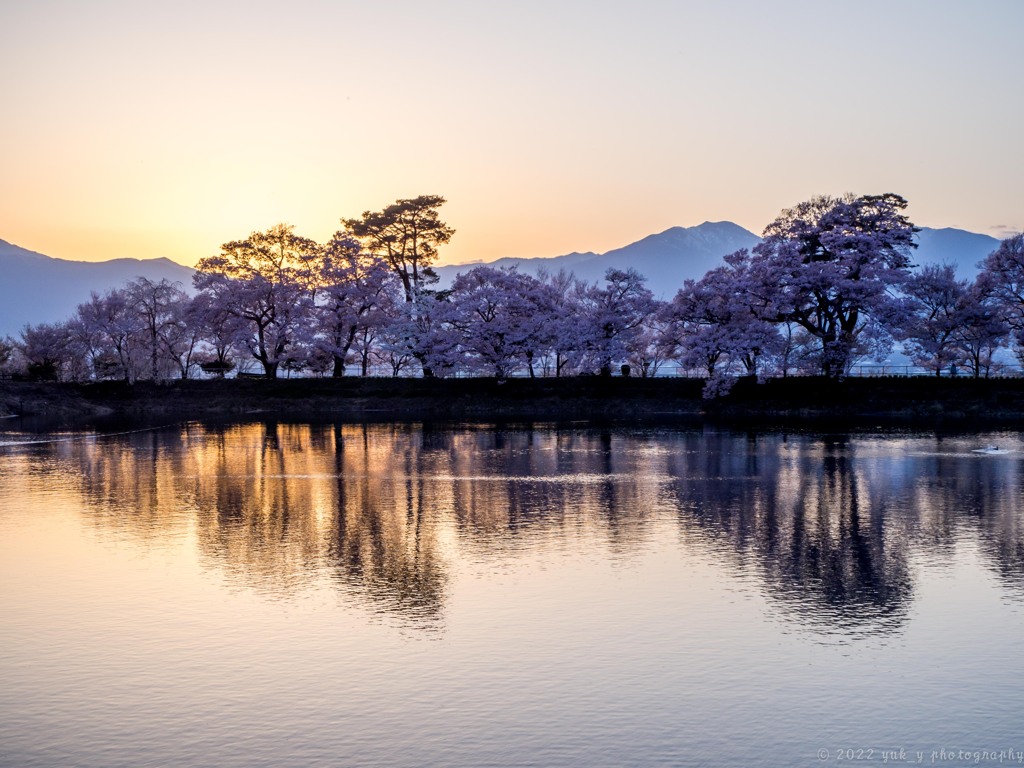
{"type": "Point", "coordinates": [146, 130]}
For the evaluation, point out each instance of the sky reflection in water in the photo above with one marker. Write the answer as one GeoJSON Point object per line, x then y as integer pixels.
{"type": "Point", "coordinates": [279, 594]}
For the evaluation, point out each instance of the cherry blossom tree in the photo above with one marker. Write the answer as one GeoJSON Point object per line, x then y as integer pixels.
{"type": "Point", "coordinates": [501, 317]}
{"type": "Point", "coordinates": [937, 307]}
{"type": "Point", "coordinates": [265, 282]}
{"type": "Point", "coordinates": [711, 320]}
{"type": "Point", "coordinates": [1003, 272]}
{"type": "Point", "coordinates": [564, 350]}
{"type": "Point", "coordinates": [982, 328]}
{"type": "Point", "coordinates": [159, 306]}
{"type": "Point", "coordinates": [113, 332]}
{"type": "Point", "coordinates": [646, 352]}
{"type": "Point", "coordinates": [830, 265]}
{"type": "Point", "coordinates": [7, 349]}
{"type": "Point", "coordinates": [430, 336]}
{"type": "Point", "coordinates": [221, 334]}
{"type": "Point", "coordinates": [353, 292]}
{"type": "Point", "coordinates": [1005, 276]}
{"type": "Point", "coordinates": [396, 341]}
{"type": "Point", "coordinates": [47, 350]}
{"type": "Point", "coordinates": [182, 334]}
{"type": "Point", "coordinates": [614, 315]}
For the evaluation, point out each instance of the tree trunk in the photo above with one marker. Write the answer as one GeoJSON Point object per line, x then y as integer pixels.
{"type": "Point", "coordinates": [339, 367]}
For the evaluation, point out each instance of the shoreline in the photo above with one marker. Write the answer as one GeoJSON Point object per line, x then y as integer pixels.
{"type": "Point", "coordinates": [918, 402]}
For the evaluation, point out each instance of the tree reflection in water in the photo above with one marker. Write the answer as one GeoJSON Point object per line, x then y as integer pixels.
{"type": "Point", "coordinates": [822, 538]}
{"type": "Point", "coordinates": [829, 527]}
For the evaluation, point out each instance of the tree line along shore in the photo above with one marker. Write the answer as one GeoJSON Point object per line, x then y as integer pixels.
{"type": "Point", "coordinates": [912, 402]}
{"type": "Point", "coordinates": [831, 284]}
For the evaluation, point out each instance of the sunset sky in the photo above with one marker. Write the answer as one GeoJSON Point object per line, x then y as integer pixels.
{"type": "Point", "coordinates": [165, 129]}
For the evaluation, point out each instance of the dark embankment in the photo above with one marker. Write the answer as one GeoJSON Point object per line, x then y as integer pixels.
{"type": "Point", "coordinates": [855, 402]}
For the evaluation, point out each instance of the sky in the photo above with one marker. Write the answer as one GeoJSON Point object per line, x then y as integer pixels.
{"type": "Point", "coordinates": [143, 129]}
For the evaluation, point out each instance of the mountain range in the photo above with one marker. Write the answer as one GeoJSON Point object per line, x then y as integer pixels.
{"type": "Point", "coordinates": [668, 258]}
{"type": "Point", "coordinates": [35, 288]}
{"type": "Point", "coordinates": [665, 259]}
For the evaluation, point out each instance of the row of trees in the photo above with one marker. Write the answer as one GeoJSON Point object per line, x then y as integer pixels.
{"type": "Point", "coordinates": [830, 283]}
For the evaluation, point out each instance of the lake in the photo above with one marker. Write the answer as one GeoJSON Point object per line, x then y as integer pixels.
{"type": "Point", "coordinates": [276, 594]}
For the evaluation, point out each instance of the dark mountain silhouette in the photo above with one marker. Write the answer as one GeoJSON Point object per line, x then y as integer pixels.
{"type": "Point", "coordinates": [35, 288]}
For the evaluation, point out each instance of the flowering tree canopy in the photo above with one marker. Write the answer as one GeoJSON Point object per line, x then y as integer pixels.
{"type": "Point", "coordinates": [829, 265]}
{"type": "Point", "coordinates": [502, 318]}
{"type": "Point", "coordinates": [354, 291]}
{"type": "Point", "coordinates": [712, 318]}
{"type": "Point", "coordinates": [160, 307]}
{"type": "Point", "coordinates": [264, 281]}
{"type": "Point", "coordinates": [1003, 274]}
{"type": "Point", "coordinates": [937, 313]}
{"type": "Point", "coordinates": [613, 315]}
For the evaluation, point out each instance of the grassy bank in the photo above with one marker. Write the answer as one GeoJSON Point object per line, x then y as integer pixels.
{"type": "Point", "coordinates": [917, 402]}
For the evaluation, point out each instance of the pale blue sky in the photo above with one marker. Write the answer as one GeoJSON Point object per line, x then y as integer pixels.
{"type": "Point", "coordinates": [144, 129]}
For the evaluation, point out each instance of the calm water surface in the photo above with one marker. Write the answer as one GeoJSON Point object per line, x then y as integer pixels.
{"type": "Point", "coordinates": [293, 595]}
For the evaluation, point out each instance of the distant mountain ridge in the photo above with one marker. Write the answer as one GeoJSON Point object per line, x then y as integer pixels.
{"type": "Point", "coordinates": [669, 258]}
{"type": "Point", "coordinates": [958, 247]}
{"type": "Point", "coordinates": [35, 288]}
{"type": "Point", "coordinates": [666, 259]}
